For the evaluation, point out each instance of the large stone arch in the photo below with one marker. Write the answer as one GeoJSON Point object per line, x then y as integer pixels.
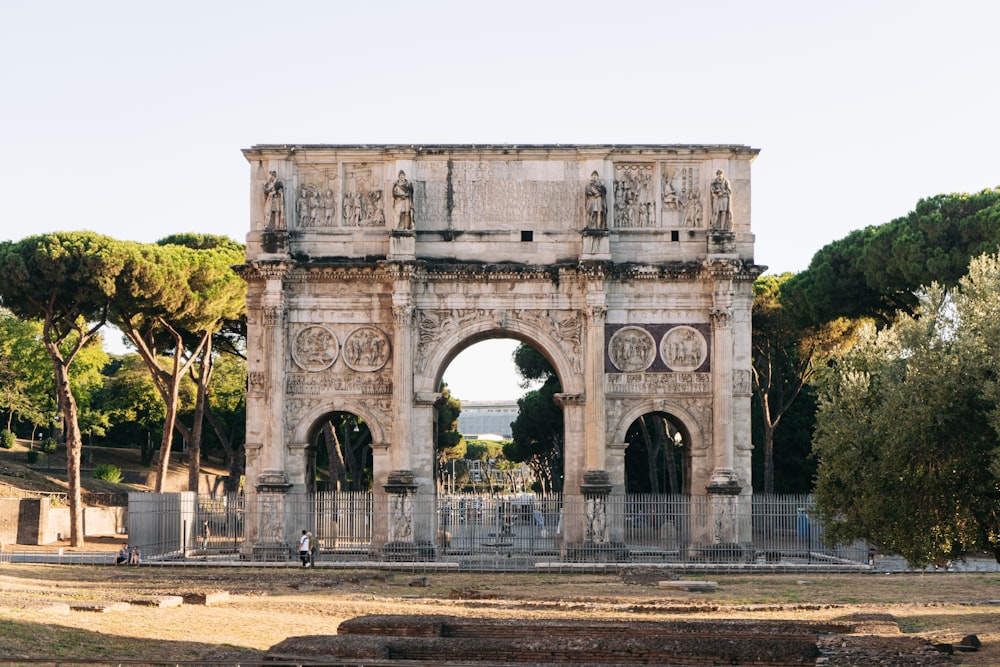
{"type": "Point", "coordinates": [370, 267]}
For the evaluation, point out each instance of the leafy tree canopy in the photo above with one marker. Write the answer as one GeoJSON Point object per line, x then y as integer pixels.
{"type": "Point", "coordinates": [907, 429]}
{"type": "Point", "coordinates": [876, 271]}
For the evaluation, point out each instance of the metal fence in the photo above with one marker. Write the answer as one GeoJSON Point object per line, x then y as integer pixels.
{"type": "Point", "coordinates": [480, 531]}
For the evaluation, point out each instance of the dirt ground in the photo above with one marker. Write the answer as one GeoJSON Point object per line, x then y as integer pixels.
{"type": "Point", "coordinates": [267, 605]}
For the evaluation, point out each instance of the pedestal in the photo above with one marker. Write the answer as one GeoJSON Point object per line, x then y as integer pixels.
{"type": "Point", "coordinates": [597, 545]}
{"type": "Point", "coordinates": [267, 515]}
{"type": "Point", "coordinates": [402, 245]}
{"type": "Point", "coordinates": [400, 490]}
{"type": "Point", "coordinates": [596, 246]}
{"type": "Point", "coordinates": [721, 242]}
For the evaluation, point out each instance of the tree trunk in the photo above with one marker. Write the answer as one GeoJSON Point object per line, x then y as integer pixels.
{"type": "Point", "coordinates": [168, 435]}
{"type": "Point", "coordinates": [194, 452]}
{"type": "Point", "coordinates": [652, 454]}
{"type": "Point", "coordinates": [768, 454]}
{"type": "Point", "coordinates": [74, 444]}
{"type": "Point", "coordinates": [337, 469]}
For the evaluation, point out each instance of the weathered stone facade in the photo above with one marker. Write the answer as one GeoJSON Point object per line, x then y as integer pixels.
{"type": "Point", "coordinates": [369, 268]}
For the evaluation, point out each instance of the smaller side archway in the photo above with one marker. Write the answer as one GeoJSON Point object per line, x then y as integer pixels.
{"type": "Point", "coordinates": [657, 457]}
{"type": "Point", "coordinates": [693, 455]}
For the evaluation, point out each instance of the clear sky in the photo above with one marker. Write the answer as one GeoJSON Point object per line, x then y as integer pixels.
{"type": "Point", "coordinates": [127, 118]}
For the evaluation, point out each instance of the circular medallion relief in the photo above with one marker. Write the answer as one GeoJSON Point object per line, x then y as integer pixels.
{"type": "Point", "coordinates": [366, 349]}
{"type": "Point", "coordinates": [683, 349]}
{"type": "Point", "coordinates": [315, 348]}
{"type": "Point", "coordinates": [632, 349]}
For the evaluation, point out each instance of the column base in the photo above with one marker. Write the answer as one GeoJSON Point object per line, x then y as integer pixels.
{"type": "Point", "coordinates": [596, 552]}
{"type": "Point", "coordinates": [407, 552]}
{"type": "Point", "coordinates": [724, 483]}
{"type": "Point", "coordinates": [272, 481]}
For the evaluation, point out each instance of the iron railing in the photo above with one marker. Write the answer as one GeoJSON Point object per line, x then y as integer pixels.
{"type": "Point", "coordinates": [481, 531]}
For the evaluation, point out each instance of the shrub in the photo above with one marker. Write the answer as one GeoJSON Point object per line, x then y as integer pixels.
{"type": "Point", "coordinates": [49, 445]}
{"type": "Point", "coordinates": [33, 455]}
{"type": "Point", "coordinates": [109, 472]}
{"type": "Point", "coordinates": [7, 439]}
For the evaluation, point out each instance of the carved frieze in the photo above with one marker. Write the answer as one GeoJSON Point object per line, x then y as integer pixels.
{"type": "Point", "coordinates": [634, 191]}
{"type": "Point", "coordinates": [363, 204]}
{"type": "Point", "coordinates": [366, 349]}
{"type": "Point", "coordinates": [657, 384]}
{"type": "Point", "coordinates": [315, 348]}
{"type": "Point", "coordinates": [683, 349]}
{"type": "Point", "coordinates": [631, 349]}
{"type": "Point", "coordinates": [327, 382]}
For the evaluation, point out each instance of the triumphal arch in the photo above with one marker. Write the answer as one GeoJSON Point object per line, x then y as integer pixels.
{"type": "Point", "coordinates": [370, 267]}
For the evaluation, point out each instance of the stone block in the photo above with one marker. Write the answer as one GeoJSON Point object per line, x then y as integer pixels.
{"type": "Point", "coordinates": [207, 598]}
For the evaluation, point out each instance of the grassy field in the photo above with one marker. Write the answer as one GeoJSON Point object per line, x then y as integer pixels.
{"type": "Point", "coordinates": [266, 605]}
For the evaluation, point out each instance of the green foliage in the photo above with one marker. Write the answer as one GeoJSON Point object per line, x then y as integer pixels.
{"type": "Point", "coordinates": [786, 355]}
{"type": "Point", "coordinates": [877, 271]}
{"type": "Point", "coordinates": [908, 423]}
{"type": "Point", "coordinates": [108, 472]}
{"type": "Point", "coordinates": [33, 455]}
{"type": "Point", "coordinates": [202, 242]}
{"type": "Point", "coordinates": [481, 450]}
{"type": "Point", "coordinates": [538, 430]}
{"type": "Point", "coordinates": [49, 445]}
{"type": "Point", "coordinates": [7, 439]}
{"type": "Point", "coordinates": [531, 365]}
{"type": "Point", "coordinates": [25, 371]}
{"type": "Point", "coordinates": [450, 443]}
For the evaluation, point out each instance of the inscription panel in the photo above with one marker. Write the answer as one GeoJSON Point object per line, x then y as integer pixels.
{"type": "Point", "coordinates": [502, 195]}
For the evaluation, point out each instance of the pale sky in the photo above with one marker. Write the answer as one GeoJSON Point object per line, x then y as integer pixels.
{"type": "Point", "coordinates": [127, 118]}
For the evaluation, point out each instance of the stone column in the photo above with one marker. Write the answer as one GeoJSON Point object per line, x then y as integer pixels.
{"type": "Point", "coordinates": [401, 440]}
{"type": "Point", "coordinates": [268, 536]}
{"type": "Point", "coordinates": [723, 475]}
{"type": "Point", "coordinates": [724, 488]}
{"type": "Point", "coordinates": [595, 430]}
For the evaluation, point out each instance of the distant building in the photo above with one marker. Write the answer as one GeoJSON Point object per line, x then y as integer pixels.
{"type": "Point", "coordinates": [487, 418]}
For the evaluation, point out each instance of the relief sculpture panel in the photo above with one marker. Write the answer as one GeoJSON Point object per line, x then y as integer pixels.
{"type": "Point", "coordinates": [632, 349]}
{"type": "Point", "coordinates": [366, 349]}
{"type": "Point", "coordinates": [315, 348]}
{"type": "Point", "coordinates": [316, 199]}
{"type": "Point", "coordinates": [683, 348]}
{"type": "Point", "coordinates": [363, 204]}
{"type": "Point", "coordinates": [634, 207]}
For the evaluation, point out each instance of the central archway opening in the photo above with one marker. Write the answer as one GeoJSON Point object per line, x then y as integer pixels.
{"type": "Point", "coordinates": [512, 429]}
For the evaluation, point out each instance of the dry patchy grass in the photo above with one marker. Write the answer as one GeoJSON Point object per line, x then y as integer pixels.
{"type": "Point", "coordinates": [268, 605]}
